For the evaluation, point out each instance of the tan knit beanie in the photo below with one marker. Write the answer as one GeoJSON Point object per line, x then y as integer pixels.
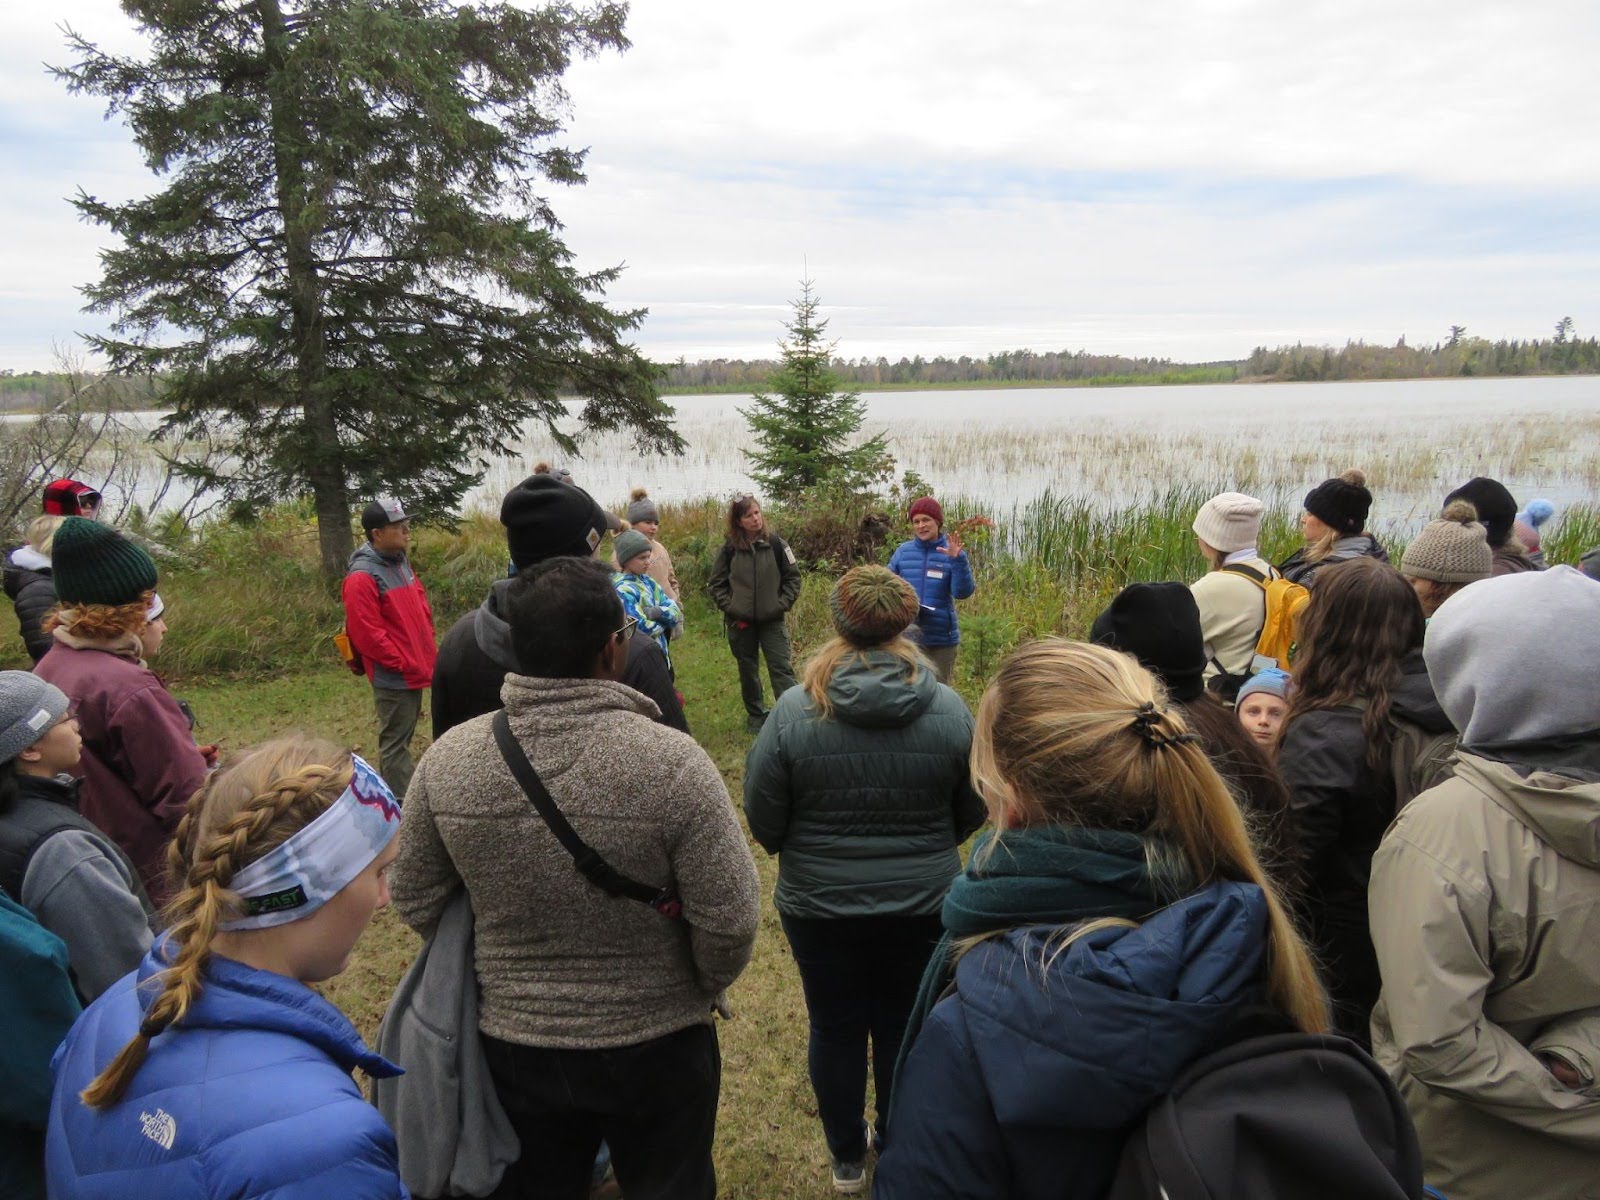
{"type": "Point", "coordinates": [1229, 522]}
{"type": "Point", "coordinates": [1453, 549]}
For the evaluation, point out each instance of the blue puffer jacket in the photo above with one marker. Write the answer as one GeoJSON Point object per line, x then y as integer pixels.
{"type": "Point", "coordinates": [1026, 1086]}
{"type": "Point", "coordinates": [939, 581]}
{"type": "Point", "coordinates": [250, 1097]}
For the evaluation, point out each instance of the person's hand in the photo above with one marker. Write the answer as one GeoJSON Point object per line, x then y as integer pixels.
{"type": "Point", "coordinates": [1566, 1074]}
{"type": "Point", "coordinates": [209, 753]}
{"type": "Point", "coordinates": [952, 544]}
{"type": "Point", "coordinates": [654, 612]}
{"type": "Point", "coordinates": [741, 624]}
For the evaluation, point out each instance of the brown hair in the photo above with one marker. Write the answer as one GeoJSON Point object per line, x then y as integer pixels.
{"type": "Point", "coordinates": [100, 622]}
{"type": "Point", "coordinates": [1057, 742]}
{"type": "Point", "coordinates": [1362, 621]}
{"type": "Point", "coordinates": [244, 811]}
{"type": "Point", "coordinates": [737, 537]}
{"type": "Point", "coordinates": [838, 651]}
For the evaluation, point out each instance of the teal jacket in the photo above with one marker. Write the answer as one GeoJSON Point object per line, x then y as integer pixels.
{"type": "Point", "coordinates": [865, 809]}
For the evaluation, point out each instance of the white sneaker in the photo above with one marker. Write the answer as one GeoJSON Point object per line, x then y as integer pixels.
{"type": "Point", "coordinates": [849, 1177]}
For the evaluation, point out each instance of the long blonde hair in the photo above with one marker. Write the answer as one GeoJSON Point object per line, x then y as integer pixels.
{"type": "Point", "coordinates": [245, 810]}
{"type": "Point", "coordinates": [42, 532]}
{"type": "Point", "coordinates": [838, 652]}
{"type": "Point", "coordinates": [1073, 734]}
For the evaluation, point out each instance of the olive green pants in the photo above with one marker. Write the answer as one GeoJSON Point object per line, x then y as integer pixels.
{"type": "Point", "coordinates": [769, 638]}
{"type": "Point", "coordinates": [398, 710]}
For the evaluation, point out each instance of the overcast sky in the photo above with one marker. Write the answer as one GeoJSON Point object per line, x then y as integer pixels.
{"type": "Point", "coordinates": [1182, 179]}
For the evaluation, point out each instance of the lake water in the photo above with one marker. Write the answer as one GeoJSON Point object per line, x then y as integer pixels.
{"type": "Point", "coordinates": [1415, 439]}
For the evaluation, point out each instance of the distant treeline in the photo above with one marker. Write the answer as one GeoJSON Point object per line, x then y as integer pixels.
{"type": "Point", "coordinates": [1458, 355]}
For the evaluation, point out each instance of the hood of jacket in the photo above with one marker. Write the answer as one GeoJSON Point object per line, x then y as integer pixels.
{"type": "Point", "coordinates": [1563, 809]}
{"type": "Point", "coordinates": [1090, 1037]}
{"type": "Point", "coordinates": [366, 555]}
{"type": "Point", "coordinates": [872, 691]}
{"type": "Point", "coordinates": [1413, 697]}
{"type": "Point", "coordinates": [492, 631]}
{"type": "Point", "coordinates": [29, 559]}
{"type": "Point", "coordinates": [1513, 657]}
{"type": "Point", "coordinates": [571, 700]}
{"type": "Point", "coordinates": [236, 996]}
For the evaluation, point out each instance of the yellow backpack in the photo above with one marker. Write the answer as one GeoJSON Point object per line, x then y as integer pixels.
{"type": "Point", "coordinates": [1279, 637]}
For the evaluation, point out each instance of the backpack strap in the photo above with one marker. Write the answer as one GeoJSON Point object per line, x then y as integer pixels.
{"type": "Point", "coordinates": [584, 856]}
{"type": "Point", "coordinates": [1239, 568]}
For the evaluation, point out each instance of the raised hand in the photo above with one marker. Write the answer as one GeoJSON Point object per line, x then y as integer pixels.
{"type": "Point", "coordinates": [952, 546]}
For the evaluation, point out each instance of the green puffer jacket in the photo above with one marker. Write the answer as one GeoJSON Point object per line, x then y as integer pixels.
{"type": "Point", "coordinates": [757, 584]}
{"type": "Point", "coordinates": [864, 809]}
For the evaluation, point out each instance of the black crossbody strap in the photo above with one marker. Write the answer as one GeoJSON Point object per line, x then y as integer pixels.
{"type": "Point", "coordinates": [584, 856]}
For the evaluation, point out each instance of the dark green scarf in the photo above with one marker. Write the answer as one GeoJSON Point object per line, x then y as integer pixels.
{"type": "Point", "coordinates": [1049, 875]}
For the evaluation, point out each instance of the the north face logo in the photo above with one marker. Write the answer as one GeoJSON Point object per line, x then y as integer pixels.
{"type": "Point", "coordinates": [159, 1127]}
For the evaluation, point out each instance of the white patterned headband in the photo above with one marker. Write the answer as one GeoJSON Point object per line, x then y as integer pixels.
{"type": "Point", "coordinates": [302, 874]}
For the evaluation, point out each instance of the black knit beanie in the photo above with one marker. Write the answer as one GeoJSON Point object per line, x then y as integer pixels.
{"type": "Point", "coordinates": [1159, 624]}
{"type": "Point", "coordinates": [92, 563]}
{"type": "Point", "coordinates": [545, 518]}
{"type": "Point", "coordinates": [1341, 504]}
{"type": "Point", "coordinates": [1496, 509]}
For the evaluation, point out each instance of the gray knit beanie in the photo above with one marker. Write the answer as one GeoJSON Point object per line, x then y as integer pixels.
{"type": "Point", "coordinates": [642, 508]}
{"type": "Point", "coordinates": [629, 545]}
{"type": "Point", "coordinates": [1453, 549]}
{"type": "Point", "coordinates": [28, 708]}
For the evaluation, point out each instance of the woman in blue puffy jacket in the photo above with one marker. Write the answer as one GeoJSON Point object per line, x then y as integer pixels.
{"type": "Point", "coordinates": [936, 567]}
{"type": "Point", "coordinates": [214, 1070]}
{"type": "Point", "coordinates": [1102, 940]}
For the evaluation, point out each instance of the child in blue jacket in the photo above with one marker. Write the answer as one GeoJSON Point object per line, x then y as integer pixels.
{"type": "Point", "coordinates": [936, 567]}
{"type": "Point", "coordinates": [643, 599]}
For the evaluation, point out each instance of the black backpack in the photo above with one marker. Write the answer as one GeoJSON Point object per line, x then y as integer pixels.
{"type": "Point", "coordinates": [1275, 1113]}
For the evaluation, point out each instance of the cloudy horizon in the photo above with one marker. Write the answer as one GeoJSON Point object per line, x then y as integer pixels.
{"type": "Point", "coordinates": [1181, 180]}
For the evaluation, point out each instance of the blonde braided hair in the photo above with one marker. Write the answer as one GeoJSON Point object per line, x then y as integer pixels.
{"type": "Point", "coordinates": [244, 811]}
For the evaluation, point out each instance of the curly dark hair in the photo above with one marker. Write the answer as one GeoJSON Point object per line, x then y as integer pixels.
{"type": "Point", "coordinates": [1362, 621]}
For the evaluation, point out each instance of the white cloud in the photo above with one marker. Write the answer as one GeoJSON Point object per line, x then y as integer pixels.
{"type": "Point", "coordinates": [1179, 177]}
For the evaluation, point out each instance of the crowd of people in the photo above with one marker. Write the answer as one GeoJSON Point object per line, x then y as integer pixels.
{"type": "Point", "coordinates": [1325, 806]}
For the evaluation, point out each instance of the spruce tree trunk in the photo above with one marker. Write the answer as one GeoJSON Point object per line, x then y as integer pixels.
{"type": "Point", "coordinates": [324, 468]}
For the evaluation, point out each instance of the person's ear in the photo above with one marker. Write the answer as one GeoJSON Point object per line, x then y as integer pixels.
{"type": "Point", "coordinates": [31, 754]}
{"type": "Point", "coordinates": [613, 658]}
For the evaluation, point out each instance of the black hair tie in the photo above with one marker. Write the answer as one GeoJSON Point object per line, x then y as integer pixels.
{"type": "Point", "coordinates": [151, 1028]}
{"type": "Point", "coordinates": [1145, 722]}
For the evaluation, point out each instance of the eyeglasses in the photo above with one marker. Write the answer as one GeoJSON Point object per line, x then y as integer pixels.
{"type": "Point", "coordinates": [626, 631]}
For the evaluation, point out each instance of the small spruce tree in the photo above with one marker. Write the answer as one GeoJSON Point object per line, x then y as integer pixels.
{"type": "Point", "coordinates": [804, 426]}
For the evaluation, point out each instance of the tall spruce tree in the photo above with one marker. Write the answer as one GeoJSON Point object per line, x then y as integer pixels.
{"type": "Point", "coordinates": [805, 426]}
{"type": "Point", "coordinates": [351, 267]}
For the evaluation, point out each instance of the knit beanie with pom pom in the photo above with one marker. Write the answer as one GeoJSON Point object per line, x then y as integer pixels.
{"type": "Point", "coordinates": [1453, 549]}
{"type": "Point", "coordinates": [1341, 504]}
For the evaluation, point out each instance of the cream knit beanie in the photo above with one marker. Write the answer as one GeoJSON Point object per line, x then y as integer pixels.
{"type": "Point", "coordinates": [1229, 522]}
{"type": "Point", "coordinates": [1453, 549]}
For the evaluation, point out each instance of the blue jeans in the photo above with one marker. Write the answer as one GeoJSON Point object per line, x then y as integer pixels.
{"type": "Point", "coordinates": [860, 976]}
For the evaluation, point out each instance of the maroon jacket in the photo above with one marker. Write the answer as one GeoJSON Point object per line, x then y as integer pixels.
{"type": "Point", "coordinates": [140, 764]}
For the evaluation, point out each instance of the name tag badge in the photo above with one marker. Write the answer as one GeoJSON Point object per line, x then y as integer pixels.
{"type": "Point", "coordinates": [935, 574]}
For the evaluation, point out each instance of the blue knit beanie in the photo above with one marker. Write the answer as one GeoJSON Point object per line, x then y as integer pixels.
{"type": "Point", "coordinates": [1272, 682]}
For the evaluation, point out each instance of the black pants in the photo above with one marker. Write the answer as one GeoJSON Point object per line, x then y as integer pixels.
{"type": "Point", "coordinates": [655, 1104]}
{"type": "Point", "coordinates": [860, 976]}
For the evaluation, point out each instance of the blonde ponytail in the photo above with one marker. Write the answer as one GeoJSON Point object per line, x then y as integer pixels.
{"type": "Point", "coordinates": [1073, 734]}
{"type": "Point", "coordinates": [244, 811]}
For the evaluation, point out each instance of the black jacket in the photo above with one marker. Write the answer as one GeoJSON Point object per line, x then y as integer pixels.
{"type": "Point", "coordinates": [1341, 808]}
{"type": "Point", "coordinates": [33, 592]}
{"type": "Point", "coordinates": [476, 655]}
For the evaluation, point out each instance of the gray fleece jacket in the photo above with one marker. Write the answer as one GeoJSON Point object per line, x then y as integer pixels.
{"type": "Point", "coordinates": [560, 963]}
